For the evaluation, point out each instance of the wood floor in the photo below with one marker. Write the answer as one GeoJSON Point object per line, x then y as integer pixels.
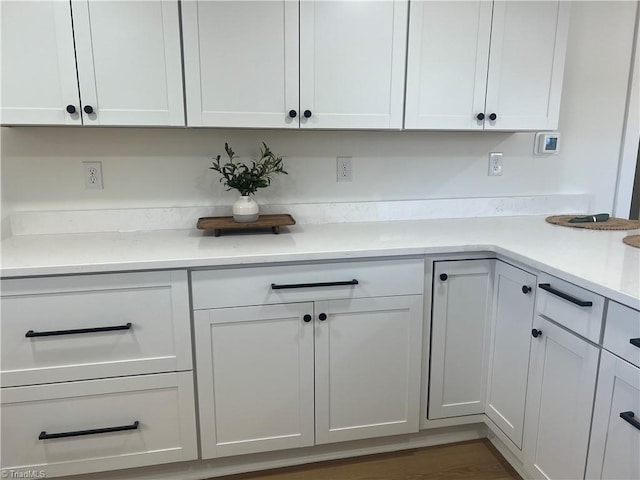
{"type": "Point", "coordinates": [474, 460]}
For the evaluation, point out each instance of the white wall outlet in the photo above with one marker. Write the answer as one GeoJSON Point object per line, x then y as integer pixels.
{"type": "Point", "coordinates": [92, 175]}
{"type": "Point", "coordinates": [495, 164]}
{"type": "Point", "coordinates": [344, 171]}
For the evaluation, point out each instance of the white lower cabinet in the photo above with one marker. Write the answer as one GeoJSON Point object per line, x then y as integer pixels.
{"type": "Point", "coordinates": [96, 373]}
{"type": "Point", "coordinates": [295, 374]}
{"type": "Point", "coordinates": [255, 378]}
{"type": "Point", "coordinates": [95, 425]}
{"type": "Point", "coordinates": [510, 343]}
{"type": "Point", "coordinates": [614, 450]}
{"type": "Point", "coordinates": [461, 315]}
{"type": "Point", "coordinates": [562, 380]}
{"type": "Point", "coordinates": [368, 353]}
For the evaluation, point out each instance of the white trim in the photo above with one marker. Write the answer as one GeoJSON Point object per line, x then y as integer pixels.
{"type": "Point", "coordinates": [631, 135]}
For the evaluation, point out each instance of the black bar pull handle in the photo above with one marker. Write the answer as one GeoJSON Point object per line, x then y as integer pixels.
{"type": "Point", "coordinates": [52, 333]}
{"type": "Point", "coordinates": [581, 303]}
{"type": "Point", "coordinates": [313, 285]}
{"type": "Point", "coordinates": [93, 431]}
{"type": "Point", "coordinates": [635, 342]}
{"type": "Point", "coordinates": [630, 418]}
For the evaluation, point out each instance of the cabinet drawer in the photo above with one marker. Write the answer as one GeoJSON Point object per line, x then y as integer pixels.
{"type": "Point", "coordinates": [622, 332]}
{"type": "Point", "coordinates": [161, 404]}
{"type": "Point", "coordinates": [58, 329]}
{"type": "Point", "coordinates": [571, 306]}
{"type": "Point", "coordinates": [308, 282]}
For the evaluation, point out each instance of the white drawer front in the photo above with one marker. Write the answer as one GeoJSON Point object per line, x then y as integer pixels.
{"type": "Point", "coordinates": [253, 285]}
{"type": "Point", "coordinates": [583, 320]}
{"type": "Point", "coordinates": [162, 405]}
{"type": "Point", "coordinates": [156, 305]}
{"type": "Point", "coordinates": [622, 332]}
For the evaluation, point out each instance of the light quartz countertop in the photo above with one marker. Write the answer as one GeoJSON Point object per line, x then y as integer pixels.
{"type": "Point", "coordinates": [596, 260]}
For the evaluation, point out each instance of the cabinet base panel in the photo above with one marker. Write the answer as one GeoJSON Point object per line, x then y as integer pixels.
{"type": "Point", "coordinates": [198, 470]}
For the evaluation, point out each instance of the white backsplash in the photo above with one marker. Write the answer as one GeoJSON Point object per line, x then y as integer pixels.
{"type": "Point", "coordinates": [140, 219]}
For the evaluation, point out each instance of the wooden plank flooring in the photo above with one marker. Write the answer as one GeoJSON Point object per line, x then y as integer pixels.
{"type": "Point", "coordinates": [473, 460]}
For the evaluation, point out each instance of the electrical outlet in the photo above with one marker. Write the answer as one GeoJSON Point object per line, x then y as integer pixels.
{"type": "Point", "coordinates": [92, 175]}
{"type": "Point", "coordinates": [344, 170]}
{"type": "Point", "coordinates": [495, 164]}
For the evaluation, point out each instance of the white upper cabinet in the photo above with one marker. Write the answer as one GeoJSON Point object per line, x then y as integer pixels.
{"type": "Point", "coordinates": [289, 64]}
{"type": "Point", "coordinates": [447, 64]}
{"type": "Point", "coordinates": [128, 69]}
{"type": "Point", "coordinates": [241, 63]}
{"type": "Point", "coordinates": [476, 65]}
{"type": "Point", "coordinates": [38, 64]}
{"type": "Point", "coordinates": [526, 65]}
{"type": "Point", "coordinates": [352, 62]}
{"type": "Point", "coordinates": [129, 63]}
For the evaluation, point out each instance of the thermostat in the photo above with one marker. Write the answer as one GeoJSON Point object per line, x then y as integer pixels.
{"type": "Point", "coordinates": [547, 143]}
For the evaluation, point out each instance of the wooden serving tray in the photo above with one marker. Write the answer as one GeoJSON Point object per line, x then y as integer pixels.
{"type": "Point", "coordinates": [217, 224]}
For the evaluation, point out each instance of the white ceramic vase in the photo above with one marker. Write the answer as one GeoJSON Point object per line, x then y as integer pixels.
{"type": "Point", "coordinates": [245, 209]}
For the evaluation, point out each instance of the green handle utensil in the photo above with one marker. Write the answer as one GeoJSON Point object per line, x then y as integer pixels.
{"type": "Point", "coordinates": [600, 217]}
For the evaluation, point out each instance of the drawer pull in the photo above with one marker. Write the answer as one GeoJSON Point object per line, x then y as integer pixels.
{"type": "Point", "coordinates": [635, 342]}
{"type": "Point", "coordinates": [629, 417]}
{"type": "Point", "coordinates": [52, 333]}
{"type": "Point", "coordinates": [312, 285]}
{"type": "Point", "coordinates": [581, 303]}
{"type": "Point", "coordinates": [48, 436]}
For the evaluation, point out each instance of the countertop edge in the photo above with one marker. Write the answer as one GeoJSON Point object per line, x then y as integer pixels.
{"type": "Point", "coordinates": [270, 258]}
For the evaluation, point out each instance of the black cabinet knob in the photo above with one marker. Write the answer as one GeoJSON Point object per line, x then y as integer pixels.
{"type": "Point", "coordinates": [443, 277]}
{"type": "Point", "coordinates": [526, 289]}
{"type": "Point", "coordinates": [307, 113]}
{"type": "Point", "coordinates": [480, 116]}
{"type": "Point", "coordinates": [322, 317]}
{"type": "Point", "coordinates": [493, 116]}
{"type": "Point", "coordinates": [536, 333]}
{"type": "Point", "coordinates": [307, 318]}
{"type": "Point", "coordinates": [71, 109]}
{"type": "Point", "coordinates": [293, 113]}
{"type": "Point", "coordinates": [88, 109]}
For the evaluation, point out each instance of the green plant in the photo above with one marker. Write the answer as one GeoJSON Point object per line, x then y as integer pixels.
{"type": "Point", "coordinates": [247, 179]}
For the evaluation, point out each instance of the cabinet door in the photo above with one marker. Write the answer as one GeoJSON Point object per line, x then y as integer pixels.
{"type": "Point", "coordinates": [462, 294]}
{"type": "Point", "coordinates": [241, 63]}
{"type": "Point", "coordinates": [129, 61]}
{"type": "Point", "coordinates": [255, 378]}
{"type": "Point", "coordinates": [38, 64]}
{"type": "Point", "coordinates": [510, 344]}
{"type": "Point", "coordinates": [368, 353]}
{"type": "Point", "coordinates": [562, 379]}
{"type": "Point", "coordinates": [352, 63]}
{"type": "Point", "coordinates": [526, 66]}
{"type": "Point", "coordinates": [447, 64]}
{"type": "Point", "coordinates": [614, 450]}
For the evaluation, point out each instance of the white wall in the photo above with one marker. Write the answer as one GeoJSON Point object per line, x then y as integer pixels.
{"type": "Point", "coordinates": [41, 166]}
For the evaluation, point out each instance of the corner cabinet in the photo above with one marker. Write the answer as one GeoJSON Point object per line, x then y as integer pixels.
{"type": "Point", "coordinates": [63, 63]}
{"type": "Point", "coordinates": [475, 65]}
{"type": "Point", "coordinates": [265, 336]}
{"type": "Point", "coordinates": [563, 368]}
{"type": "Point", "coordinates": [510, 344]}
{"type": "Point", "coordinates": [460, 334]}
{"type": "Point", "coordinates": [290, 64]}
